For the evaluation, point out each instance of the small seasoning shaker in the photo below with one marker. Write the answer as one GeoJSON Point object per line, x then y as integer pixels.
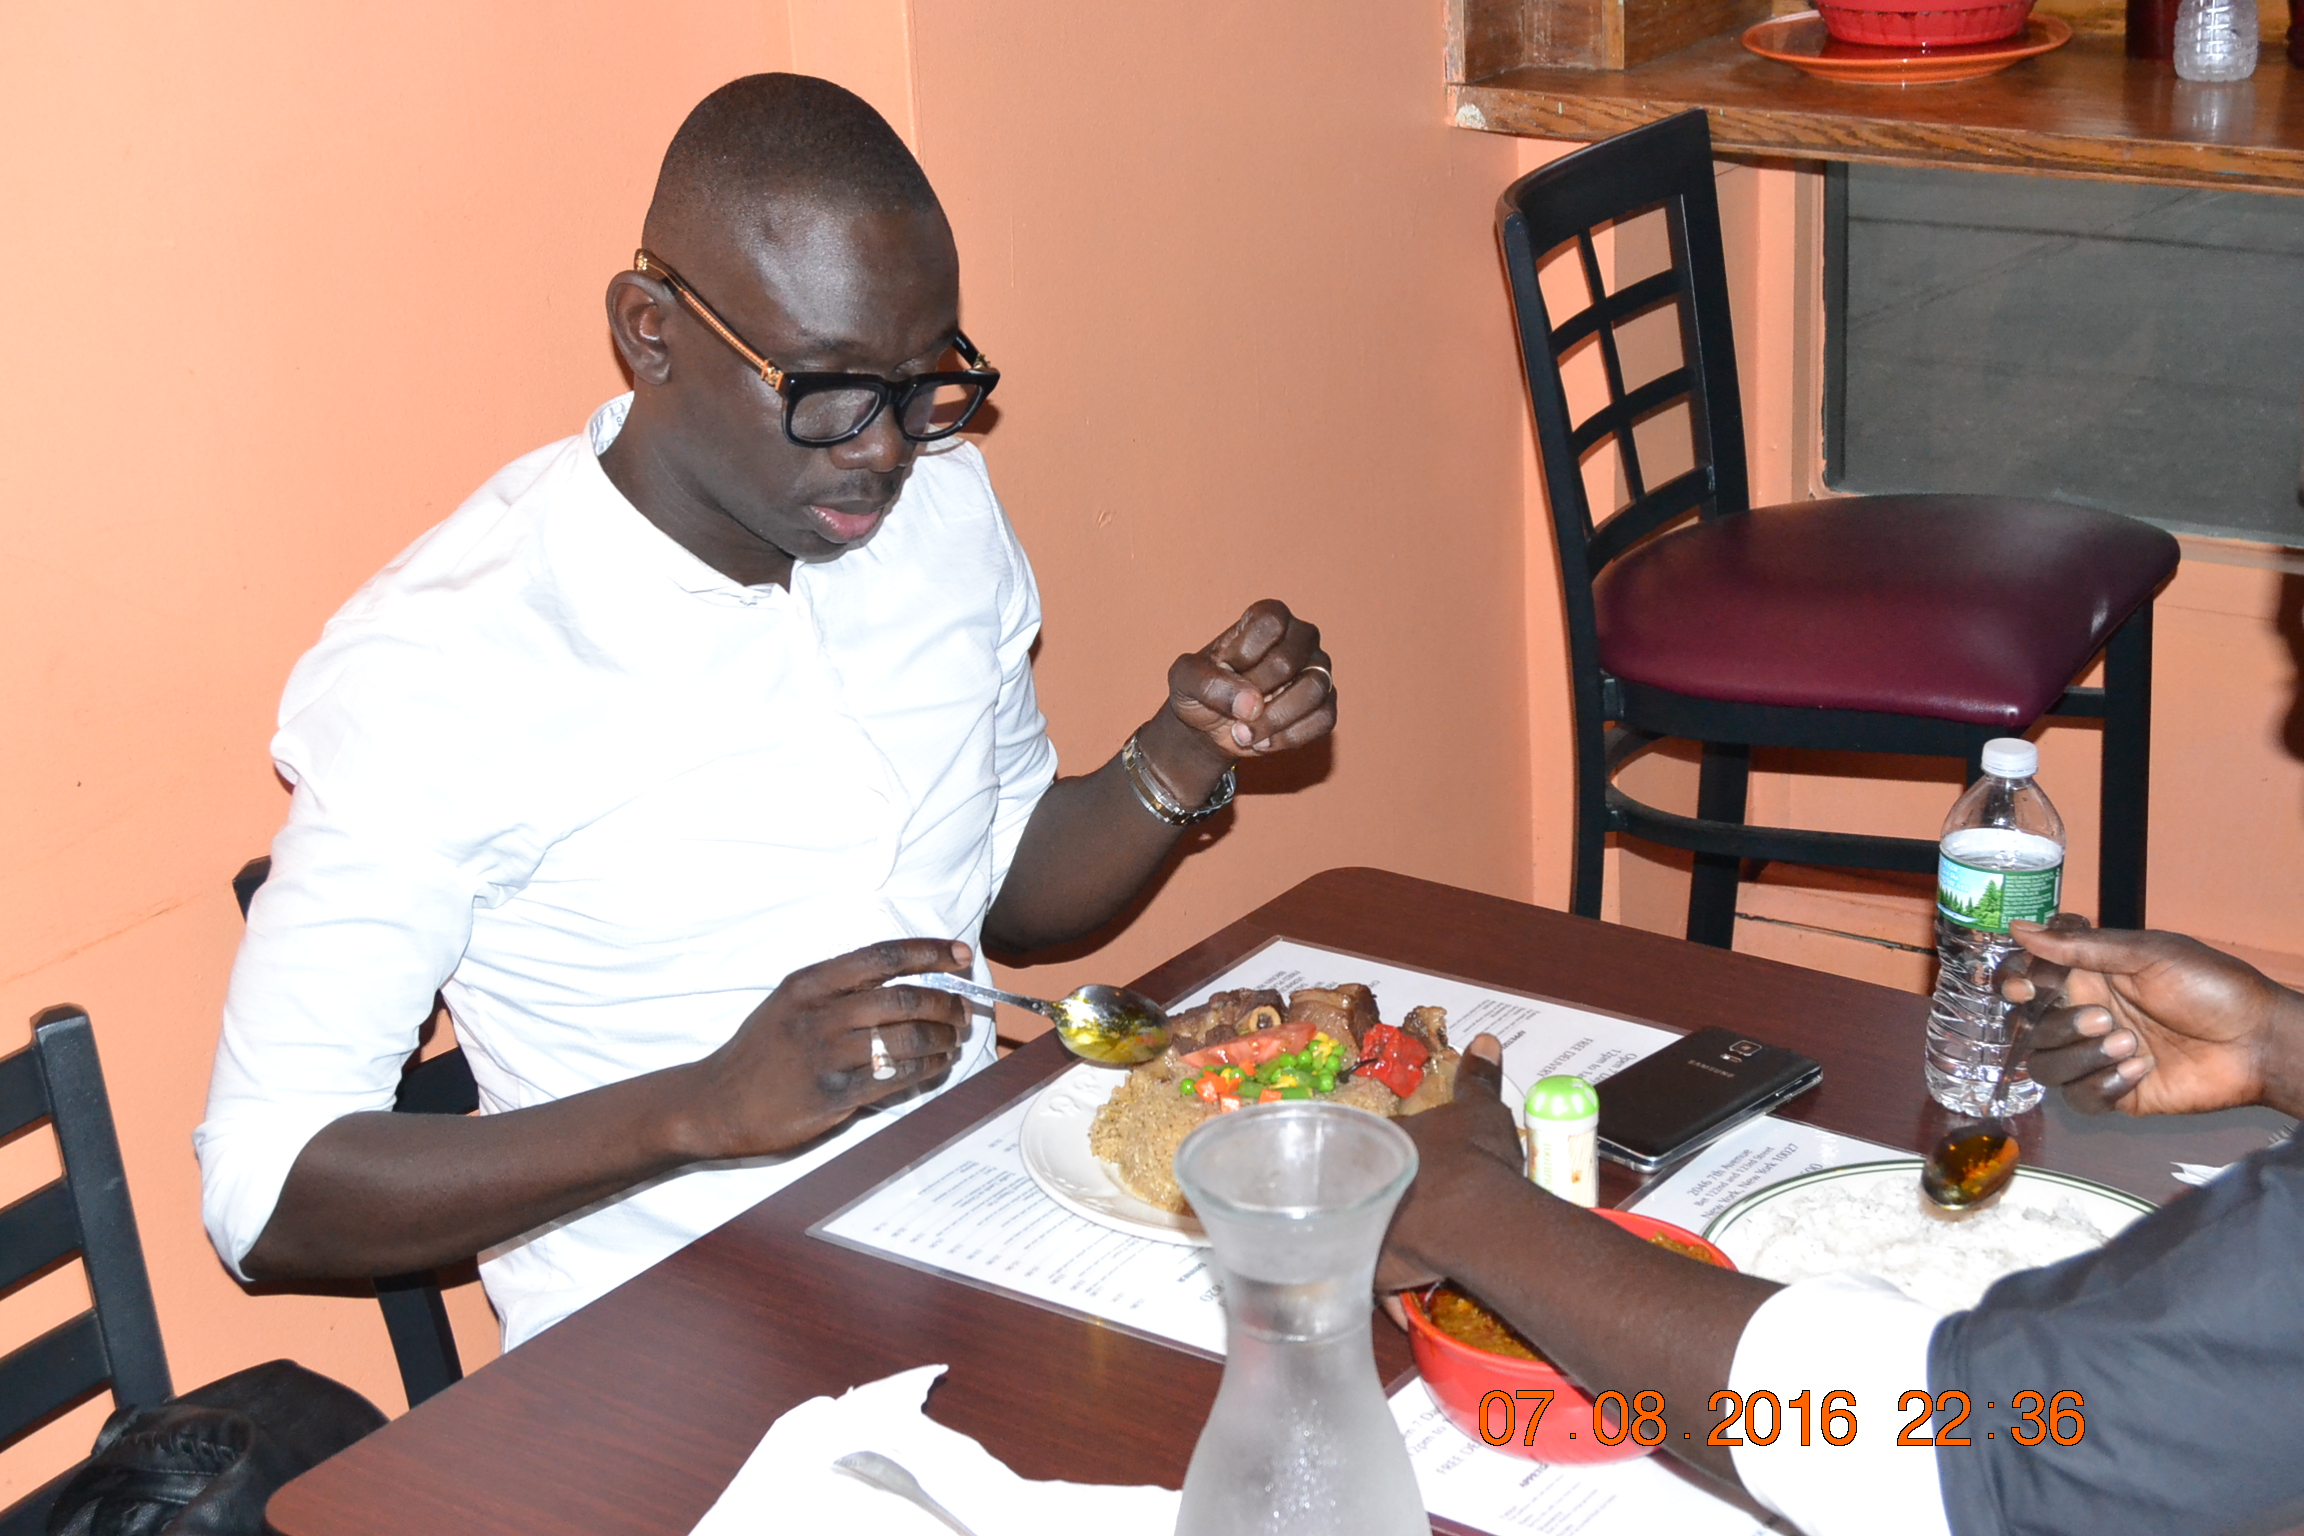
{"type": "Point", "coordinates": [1564, 1139]}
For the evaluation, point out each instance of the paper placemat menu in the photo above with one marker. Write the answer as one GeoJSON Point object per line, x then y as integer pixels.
{"type": "Point", "coordinates": [1475, 1485]}
{"type": "Point", "coordinates": [970, 1210]}
{"type": "Point", "coordinates": [1753, 1155]}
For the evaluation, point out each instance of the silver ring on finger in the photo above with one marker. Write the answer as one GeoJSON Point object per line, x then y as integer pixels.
{"type": "Point", "coordinates": [883, 1064]}
{"type": "Point", "coordinates": [1327, 675]}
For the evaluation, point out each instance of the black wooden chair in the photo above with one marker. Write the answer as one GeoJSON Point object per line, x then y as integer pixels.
{"type": "Point", "coordinates": [1893, 624]}
{"type": "Point", "coordinates": [415, 1314]}
{"type": "Point", "coordinates": [116, 1343]}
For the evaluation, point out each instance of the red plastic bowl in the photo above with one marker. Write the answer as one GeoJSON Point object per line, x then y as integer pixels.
{"type": "Point", "coordinates": [1462, 1378]}
{"type": "Point", "coordinates": [1943, 24]}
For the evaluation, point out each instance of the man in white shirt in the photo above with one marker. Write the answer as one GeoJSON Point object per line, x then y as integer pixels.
{"type": "Point", "coordinates": [2152, 1387]}
{"type": "Point", "coordinates": [670, 747]}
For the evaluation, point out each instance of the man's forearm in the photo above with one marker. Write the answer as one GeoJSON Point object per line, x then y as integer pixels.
{"type": "Point", "coordinates": [384, 1194]}
{"type": "Point", "coordinates": [1613, 1311]}
{"type": "Point", "coordinates": [1091, 844]}
{"type": "Point", "coordinates": [2284, 1056]}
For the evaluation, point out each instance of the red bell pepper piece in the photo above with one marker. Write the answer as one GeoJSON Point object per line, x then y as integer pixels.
{"type": "Point", "coordinates": [1394, 1059]}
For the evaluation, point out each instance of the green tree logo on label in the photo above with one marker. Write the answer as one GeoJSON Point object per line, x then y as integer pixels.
{"type": "Point", "coordinates": [1986, 911]}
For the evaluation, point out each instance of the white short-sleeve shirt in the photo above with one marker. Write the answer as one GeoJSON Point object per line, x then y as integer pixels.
{"type": "Point", "coordinates": [604, 799]}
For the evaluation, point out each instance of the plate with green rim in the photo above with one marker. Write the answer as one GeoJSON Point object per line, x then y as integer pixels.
{"type": "Point", "coordinates": [1737, 1233]}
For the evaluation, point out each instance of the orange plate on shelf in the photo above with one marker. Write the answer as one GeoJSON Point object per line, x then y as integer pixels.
{"type": "Point", "coordinates": [1801, 41]}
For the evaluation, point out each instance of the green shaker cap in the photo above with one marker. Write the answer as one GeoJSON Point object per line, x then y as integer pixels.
{"type": "Point", "coordinates": [1562, 1098]}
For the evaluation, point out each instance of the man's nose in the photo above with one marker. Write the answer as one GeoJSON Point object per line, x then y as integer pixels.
{"type": "Point", "coordinates": [879, 448]}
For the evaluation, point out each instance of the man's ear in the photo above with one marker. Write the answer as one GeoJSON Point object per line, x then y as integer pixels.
{"type": "Point", "coordinates": [636, 321]}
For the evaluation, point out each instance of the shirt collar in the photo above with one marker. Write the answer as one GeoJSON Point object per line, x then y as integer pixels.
{"type": "Point", "coordinates": [647, 541]}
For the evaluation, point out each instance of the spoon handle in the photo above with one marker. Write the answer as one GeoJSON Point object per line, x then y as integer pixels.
{"type": "Point", "coordinates": [961, 986]}
{"type": "Point", "coordinates": [894, 1477]}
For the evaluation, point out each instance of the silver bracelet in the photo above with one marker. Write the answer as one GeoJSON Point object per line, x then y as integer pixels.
{"type": "Point", "coordinates": [1155, 799]}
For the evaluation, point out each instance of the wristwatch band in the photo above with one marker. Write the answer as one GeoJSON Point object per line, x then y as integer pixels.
{"type": "Point", "coordinates": [1157, 801]}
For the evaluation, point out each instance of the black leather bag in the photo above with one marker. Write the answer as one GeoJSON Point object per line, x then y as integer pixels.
{"type": "Point", "coordinates": [205, 1463]}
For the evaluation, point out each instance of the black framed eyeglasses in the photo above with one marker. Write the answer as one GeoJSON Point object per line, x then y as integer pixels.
{"type": "Point", "coordinates": [822, 410]}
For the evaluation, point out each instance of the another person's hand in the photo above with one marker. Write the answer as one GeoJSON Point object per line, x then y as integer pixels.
{"type": "Point", "coordinates": [1471, 1172]}
{"type": "Point", "coordinates": [1262, 686]}
{"type": "Point", "coordinates": [2153, 1023]}
{"type": "Point", "coordinates": [803, 1061]}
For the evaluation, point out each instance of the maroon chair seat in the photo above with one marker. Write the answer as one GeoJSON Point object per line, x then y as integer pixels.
{"type": "Point", "coordinates": [1980, 609]}
{"type": "Point", "coordinates": [1908, 626]}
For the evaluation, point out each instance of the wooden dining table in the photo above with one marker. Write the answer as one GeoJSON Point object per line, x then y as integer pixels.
{"type": "Point", "coordinates": [634, 1413]}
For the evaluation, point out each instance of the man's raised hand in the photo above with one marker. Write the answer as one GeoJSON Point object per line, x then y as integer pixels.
{"type": "Point", "coordinates": [2153, 1023]}
{"type": "Point", "coordinates": [803, 1061]}
{"type": "Point", "coordinates": [1262, 686]}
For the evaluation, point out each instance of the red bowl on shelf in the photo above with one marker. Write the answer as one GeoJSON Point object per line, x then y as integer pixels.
{"type": "Point", "coordinates": [1928, 24]}
{"type": "Point", "coordinates": [1462, 1379]}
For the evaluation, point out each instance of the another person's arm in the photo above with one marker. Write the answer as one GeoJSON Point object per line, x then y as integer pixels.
{"type": "Point", "coordinates": [1091, 844]}
{"type": "Point", "coordinates": [1611, 1310]}
{"type": "Point", "coordinates": [2154, 1023]}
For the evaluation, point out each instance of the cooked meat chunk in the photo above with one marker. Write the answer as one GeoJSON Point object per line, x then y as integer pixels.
{"type": "Point", "coordinates": [1223, 1017]}
{"type": "Point", "coordinates": [1429, 1025]}
{"type": "Point", "coordinates": [1346, 1013]}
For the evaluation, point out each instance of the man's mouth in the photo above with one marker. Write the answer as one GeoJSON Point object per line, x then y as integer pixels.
{"type": "Point", "coordinates": [843, 526]}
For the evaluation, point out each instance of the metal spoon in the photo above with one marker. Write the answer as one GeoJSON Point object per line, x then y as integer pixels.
{"type": "Point", "coordinates": [891, 1477]}
{"type": "Point", "coordinates": [1974, 1161]}
{"type": "Point", "coordinates": [1110, 1025]}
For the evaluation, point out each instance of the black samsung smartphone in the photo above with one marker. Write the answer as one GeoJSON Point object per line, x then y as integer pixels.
{"type": "Point", "coordinates": [1664, 1106]}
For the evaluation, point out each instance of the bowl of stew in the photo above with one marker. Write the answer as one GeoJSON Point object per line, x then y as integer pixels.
{"type": "Point", "coordinates": [1474, 1363]}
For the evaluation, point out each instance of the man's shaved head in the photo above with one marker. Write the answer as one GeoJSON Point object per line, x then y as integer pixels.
{"type": "Point", "coordinates": [794, 211]}
{"type": "Point", "coordinates": [766, 147]}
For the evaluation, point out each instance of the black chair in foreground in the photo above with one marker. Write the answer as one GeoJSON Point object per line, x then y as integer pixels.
{"type": "Point", "coordinates": [116, 1343]}
{"type": "Point", "coordinates": [415, 1313]}
{"type": "Point", "coordinates": [1892, 624]}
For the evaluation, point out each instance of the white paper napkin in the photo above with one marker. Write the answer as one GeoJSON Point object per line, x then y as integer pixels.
{"type": "Point", "coordinates": [788, 1483]}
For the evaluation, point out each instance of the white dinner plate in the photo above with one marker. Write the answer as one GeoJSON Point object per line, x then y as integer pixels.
{"type": "Point", "coordinates": [2040, 1189]}
{"type": "Point", "coordinates": [1054, 1146]}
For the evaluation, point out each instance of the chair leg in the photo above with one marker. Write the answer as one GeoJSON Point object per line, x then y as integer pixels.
{"type": "Point", "coordinates": [1591, 852]}
{"type": "Point", "coordinates": [2127, 793]}
{"type": "Point", "coordinates": [1720, 793]}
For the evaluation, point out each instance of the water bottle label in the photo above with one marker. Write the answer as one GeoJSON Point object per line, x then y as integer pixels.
{"type": "Point", "coordinates": [1991, 899]}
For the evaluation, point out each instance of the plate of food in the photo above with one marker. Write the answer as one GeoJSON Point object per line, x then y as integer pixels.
{"type": "Point", "coordinates": [1872, 1217]}
{"type": "Point", "coordinates": [1101, 1141]}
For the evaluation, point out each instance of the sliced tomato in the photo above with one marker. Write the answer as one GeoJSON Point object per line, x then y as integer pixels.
{"type": "Point", "coordinates": [1253, 1050]}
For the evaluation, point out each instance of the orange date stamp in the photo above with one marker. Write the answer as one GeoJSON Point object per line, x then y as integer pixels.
{"type": "Point", "coordinates": [1761, 1418]}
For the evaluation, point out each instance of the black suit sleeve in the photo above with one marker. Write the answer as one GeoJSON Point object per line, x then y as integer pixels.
{"type": "Point", "coordinates": [2184, 1337]}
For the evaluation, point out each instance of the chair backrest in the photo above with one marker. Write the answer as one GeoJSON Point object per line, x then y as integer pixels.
{"type": "Point", "coordinates": [415, 1312]}
{"type": "Point", "coordinates": [1665, 165]}
{"type": "Point", "coordinates": [116, 1343]}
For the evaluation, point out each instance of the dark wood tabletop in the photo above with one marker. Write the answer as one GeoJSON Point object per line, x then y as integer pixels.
{"type": "Point", "coordinates": [633, 1415]}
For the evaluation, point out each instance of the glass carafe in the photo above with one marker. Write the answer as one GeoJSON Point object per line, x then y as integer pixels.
{"type": "Point", "coordinates": [1300, 1442]}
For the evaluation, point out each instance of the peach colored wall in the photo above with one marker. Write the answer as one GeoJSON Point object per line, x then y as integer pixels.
{"type": "Point", "coordinates": [305, 277]}
{"type": "Point", "coordinates": [1243, 283]}
{"type": "Point", "coordinates": [296, 278]}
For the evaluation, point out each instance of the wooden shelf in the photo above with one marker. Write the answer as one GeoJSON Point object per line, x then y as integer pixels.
{"type": "Point", "coordinates": [2085, 110]}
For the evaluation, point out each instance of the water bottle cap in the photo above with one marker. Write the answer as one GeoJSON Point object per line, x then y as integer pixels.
{"type": "Point", "coordinates": [2011, 757]}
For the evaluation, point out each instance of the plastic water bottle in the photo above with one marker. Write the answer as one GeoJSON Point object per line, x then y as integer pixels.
{"type": "Point", "coordinates": [2001, 860]}
{"type": "Point", "coordinates": [2216, 39]}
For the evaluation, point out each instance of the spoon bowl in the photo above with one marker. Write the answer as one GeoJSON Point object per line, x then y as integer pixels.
{"type": "Point", "coordinates": [1973, 1162]}
{"type": "Point", "coordinates": [1111, 1026]}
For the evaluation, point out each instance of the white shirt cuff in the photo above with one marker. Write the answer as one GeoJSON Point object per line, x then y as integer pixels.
{"type": "Point", "coordinates": [1842, 1332]}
